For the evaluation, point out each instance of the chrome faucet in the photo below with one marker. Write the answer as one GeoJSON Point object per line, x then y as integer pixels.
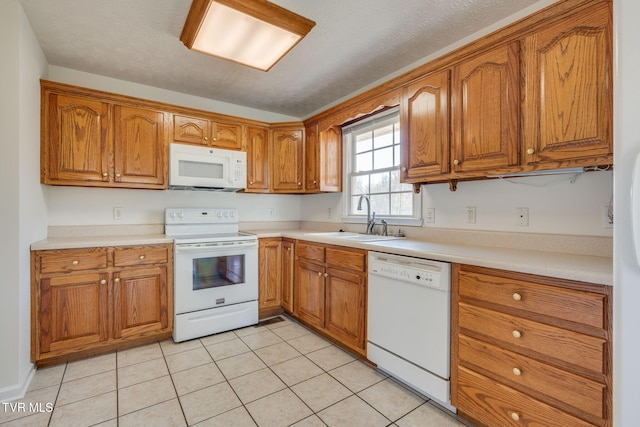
{"type": "Point", "coordinates": [370, 221]}
{"type": "Point", "coordinates": [384, 227]}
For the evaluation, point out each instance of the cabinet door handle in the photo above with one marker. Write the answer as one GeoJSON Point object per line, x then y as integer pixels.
{"type": "Point", "coordinates": [299, 184]}
{"type": "Point", "coordinates": [117, 280]}
{"type": "Point", "coordinates": [104, 174]}
{"type": "Point", "coordinates": [517, 372]}
{"type": "Point", "coordinates": [319, 273]}
{"type": "Point", "coordinates": [326, 274]}
{"type": "Point", "coordinates": [516, 334]}
{"type": "Point", "coordinates": [404, 169]}
{"type": "Point", "coordinates": [141, 257]}
{"type": "Point", "coordinates": [531, 151]}
{"type": "Point", "coordinates": [103, 282]}
{"type": "Point", "coordinates": [117, 175]}
{"type": "Point", "coordinates": [517, 296]}
{"type": "Point", "coordinates": [456, 162]}
{"type": "Point", "coordinates": [251, 182]}
{"type": "Point", "coordinates": [75, 262]}
{"type": "Point", "coordinates": [515, 416]}
{"type": "Point", "coordinates": [206, 138]}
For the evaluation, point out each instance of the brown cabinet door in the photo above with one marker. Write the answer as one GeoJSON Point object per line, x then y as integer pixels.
{"type": "Point", "coordinates": [140, 301]}
{"type": "Point", "coordinates": [288, 254]}
{"type": "Point", "coordinates": [257, 159]}
{"type": "Point", "coordinates": [191, 130]}
{"type": "Point", "coordinates": [424, 117]}
{"type": "Point", "coordinates": [331, 159]}
{"type": "Point", "coordinates": [345, 307]}
{"type": "Point", "coordinates": [270, 278]}
{"type": "Point", "coordinates": [75, 147]}
{"type": "Point", "coordinates": [309, 293]}
{"type": "Point", "coordinates": [227, 135]}
{"type": "Point", "coordinates": [567, 109]}
{"type": "Point", "coordinates": [139, 147]}
{"type": "Point", "coordinates": [486, 110]}
{"type": "Point", "coordinates": [312, 163]}
{"type": "Point", "coordinates": [73, 312]}
{"type": "Point", "coordinates": [287, 159]}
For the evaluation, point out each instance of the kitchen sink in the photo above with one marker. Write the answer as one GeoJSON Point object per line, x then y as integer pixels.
{"type": "Point", "coordinates": [354, 237]}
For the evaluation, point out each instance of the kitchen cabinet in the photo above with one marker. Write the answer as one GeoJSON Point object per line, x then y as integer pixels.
{"type": "Point", "coordinates": [286, 158]}
{"type": "Point", "coordinates": [568, 79]}
{"type": "Point", "coordinates": [207, 131]}
{"type": "Point", "coordinates": [424, 115]}
{"type": "Point", "coordinates": [91, 140]}
{"type": "Point", "coordinates": [269, 276]}
{"type": "Point", "coordinates": [258, 159]}
{"type": "Point", "coordinates": [93, 300]}
{"type": "Point", "coordinates": [530, 349]}
{"type": "Point", "coordinates": [330, 292]}
{"type": "Point", "coordinates": [287, 271]}
{"type": "Point", "coordinates": [485, 103]}
{"type": "Point", "coordinates": [323, 159]}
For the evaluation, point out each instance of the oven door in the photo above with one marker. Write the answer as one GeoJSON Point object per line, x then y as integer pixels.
{"type": "Point", "coordinates": [215, 276]}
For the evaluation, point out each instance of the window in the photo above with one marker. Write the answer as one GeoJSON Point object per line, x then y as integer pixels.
{"type": "Point", "coordinates": [373, 170]}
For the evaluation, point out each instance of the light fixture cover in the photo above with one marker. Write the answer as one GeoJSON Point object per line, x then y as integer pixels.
{"type": "Point", "coordinates": [255, 33]}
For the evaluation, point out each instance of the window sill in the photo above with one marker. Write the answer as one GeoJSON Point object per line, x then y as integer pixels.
{"type": "Point", "coordinates": [415, 222]}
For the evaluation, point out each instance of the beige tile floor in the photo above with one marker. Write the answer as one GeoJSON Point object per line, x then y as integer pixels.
{"type": "Point", "coordinates": [279, 374]}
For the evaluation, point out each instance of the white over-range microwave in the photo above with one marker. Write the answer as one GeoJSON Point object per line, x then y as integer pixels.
{"type": "Point", "coordinates": [193, 167]}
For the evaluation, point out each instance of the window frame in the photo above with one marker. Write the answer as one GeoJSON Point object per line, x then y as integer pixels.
{"type": "Point", "coordinates": [377, 120]}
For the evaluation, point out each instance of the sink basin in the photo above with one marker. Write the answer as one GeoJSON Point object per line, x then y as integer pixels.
{"type": "Point", "coordinates": [355, 237]}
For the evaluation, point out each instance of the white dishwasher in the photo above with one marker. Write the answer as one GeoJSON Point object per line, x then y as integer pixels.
{"type": "Point", "coordinates": [409, 302]}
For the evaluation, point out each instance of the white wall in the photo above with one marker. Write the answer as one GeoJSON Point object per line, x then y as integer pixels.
{"type": "Point", "coordinates": [556, 205]}
{"type": "Point", "coordinates": [626, 339]}
{"type": "Point", "coordinates": [22, 212]}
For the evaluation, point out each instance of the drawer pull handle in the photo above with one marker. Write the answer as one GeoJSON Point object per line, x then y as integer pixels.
{"type": "Point", "coordinates": [326, 274]}
{"type": "Point", "coordinates": [103, 282]}
{"type": "Point", "coordinates": [141, 256]}
{"type": "Point", "coordinates": [319, 273]}
{"type": "Point", "coordinates": [517, 296]}
{"type": "Point", "coordinates": [516, 334]}
{"type": "Point", "coordinates": [117, 280]}
{"type": "Point", "coordinates": [75, 262]}
{"type": "Point", "coordinates": [104, 174]}
{"type": "Point", "coordinates": [515, 416]}
{"type": "Point", "coordinates": [517, 372]}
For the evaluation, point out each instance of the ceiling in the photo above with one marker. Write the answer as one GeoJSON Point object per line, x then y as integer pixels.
{"type": "Point", "coordinates": [354, 43]}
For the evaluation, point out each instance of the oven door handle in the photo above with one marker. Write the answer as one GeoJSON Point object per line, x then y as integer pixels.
{"type": "Point", "coordinates": [193, 248]}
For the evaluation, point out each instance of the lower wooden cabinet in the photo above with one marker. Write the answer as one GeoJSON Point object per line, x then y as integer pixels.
{"type": "Point", "coordinates": [288, 260]}
{"type": "Point", "coordinates": [269, 276]}
{"type": "Point", "coordinates": [530, 350]}
{"type": "Point", "coordinates": [93, 300]}
{"type": "Point", "coordinates": [330, 292]}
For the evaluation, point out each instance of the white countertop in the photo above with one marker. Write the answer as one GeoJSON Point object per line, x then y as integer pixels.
{"type": "Point", "coordinates": [95, 241]}
{"type": "Point", "coordinates": [585, 268]}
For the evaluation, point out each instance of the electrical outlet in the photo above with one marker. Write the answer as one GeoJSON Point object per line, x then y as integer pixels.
{"type": "Point", "coordinates": [430, 215]}
{"type": "Point", "coordinates": [471, 214]}
{"type": "Point", "coordinates": [607, 217]}
{"type": "Point", "coordinates": [522, 217]}
{"type": "Point", "coordinates": [330, 213]}
{"type": "Point", "coordinates": [270, 212]}
{"type": "Point", "coordinates": [118, 213]}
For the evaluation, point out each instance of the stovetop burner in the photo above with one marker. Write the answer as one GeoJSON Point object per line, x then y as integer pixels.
{"type": "Point", "coordinates": [194, 225]}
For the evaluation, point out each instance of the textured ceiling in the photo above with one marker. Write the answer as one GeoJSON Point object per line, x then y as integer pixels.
{"type": "Point", "coordinates": [354, 43]}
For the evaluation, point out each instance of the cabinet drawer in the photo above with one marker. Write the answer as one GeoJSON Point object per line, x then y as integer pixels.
{"type": "Point", "coordinates": [309, 251]}
{"type": "Point", "coordinates": [140, 256]}
{"type": "Point", "coordinates": [581, 393]}
{"type": "Point", "coordinates": [346, 259]}
{"type": "Point", "coordinates": [495, 404]}
{"type": "Point", "coordinates": [69, 261]}
{"type": "Point", "coordinates": [533, 337]}
{"type": "Point", "coordinates": [566, 304]}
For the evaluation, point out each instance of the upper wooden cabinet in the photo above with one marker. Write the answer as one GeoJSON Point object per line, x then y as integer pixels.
{"type": "Point", "coordinates": [568, 74]}
{"type": "Point", "coordinates": [207, 131]}
{"type": "Point", "coordinates": [424, 117]}
{"type": "Point", "coordinates": [486, 110]}
{"type": "Point", "coordinates": [286, 150]}
{"type": "Point", "coordinates": [138, 146]}
{"type": "Point", "coordinates": [257, 159]}
{"type": "Point", "coordinates": [91, 140]}
{"type": "Point", "coordinates": [323, 159]}
{"type": "Point", "coordinates": [311, 158]}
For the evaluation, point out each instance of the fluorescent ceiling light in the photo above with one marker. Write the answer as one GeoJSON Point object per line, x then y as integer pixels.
{"type": "Point", "coordinates": [539, 173]}
{"type": "Point", "coordinates": [255, 33]}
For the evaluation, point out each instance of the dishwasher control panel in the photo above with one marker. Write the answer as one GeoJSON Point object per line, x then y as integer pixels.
{"type": "Point", "coordinates": [423, 272]}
